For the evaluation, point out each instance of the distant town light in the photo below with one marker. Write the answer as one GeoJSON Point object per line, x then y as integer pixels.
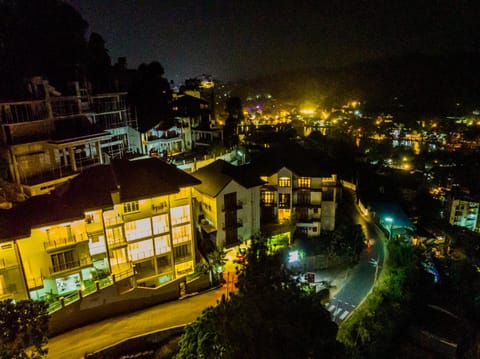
{"type": "Point", "coordinates": [307, 111]}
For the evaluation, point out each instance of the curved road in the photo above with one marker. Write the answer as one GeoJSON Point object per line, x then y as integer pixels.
{"type": "Point", "coordinates": [74, 344]}
{"type": "Point", "coordinates": [90, 338]}
{"type": "Point", "coordinates": [362, 277]}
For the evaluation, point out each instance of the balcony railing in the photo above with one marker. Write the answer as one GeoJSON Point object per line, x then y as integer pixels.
{"type": "Point", "coordinates": [7, 264]}
{"type": "Point", "coordinates": [68, 266]}
{"type": "Point", "coordinates": [72, 240]}
{"type": "Point", "coordinates": [234, 207]}
{"type": "Point", "coordinates": [35, 282]}
{"type": "Point", "coordinates": [116, 242]}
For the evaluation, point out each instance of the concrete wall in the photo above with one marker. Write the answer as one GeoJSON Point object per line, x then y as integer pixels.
{"type": "Point", "coordinates": [136, 344]}
{"type": "Point", "coordinates": [117, 299]}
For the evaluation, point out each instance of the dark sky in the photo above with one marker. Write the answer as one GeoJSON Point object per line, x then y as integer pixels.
{"type": "Point", "coordinates": [233, 38]}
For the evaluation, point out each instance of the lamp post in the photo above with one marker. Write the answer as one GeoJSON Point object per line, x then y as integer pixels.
{"type": "Point", "coordinates": [389, 220]}
{"type": "Point", "coordinates": [374, 263]}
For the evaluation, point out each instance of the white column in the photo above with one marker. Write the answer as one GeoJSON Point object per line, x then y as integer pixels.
{"type": "Point", "coordinates": [73, 163]}
{"type": "Point", "coordinates": [99, 152]}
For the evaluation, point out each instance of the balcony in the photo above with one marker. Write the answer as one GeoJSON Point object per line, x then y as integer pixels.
{"type": "Point", "coordinates": [61, 243]}
{"type": "Point", "coordinates": [237, 224]}
{"type": "Point", "coordinates": [4, 265]}
{"type": "Point", "coordinates": [234, 207]}
{"type": "Point", "coordinates": [70, 266]}
{"type": "Point", "coordinates": [35, 282]}
{"type": "Point", "coordinates": [116, 243]}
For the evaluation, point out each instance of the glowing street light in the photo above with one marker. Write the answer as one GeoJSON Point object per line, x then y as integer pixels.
{"type": "Point", "coordinates": [389, 220]}
{"type": "Point", "coordinates": [293, 257]}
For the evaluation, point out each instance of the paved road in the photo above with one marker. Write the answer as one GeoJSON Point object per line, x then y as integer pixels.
{"type": "Point", "coordinates": [361, 277]}
{"type": "Point", "coordinates": [74, 344]}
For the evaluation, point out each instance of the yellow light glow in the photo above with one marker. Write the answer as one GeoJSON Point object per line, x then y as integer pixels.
{"type": "Point", "coordinates": [324, 114]}
{"type": "Point", "coordinates": [307, 111]}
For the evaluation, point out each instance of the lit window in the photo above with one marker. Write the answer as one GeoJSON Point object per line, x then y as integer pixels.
{"type": "Point", "coordinates": [129, 207]}
{"type": "Point", "coordinates": [284, 181]}
{"type": "Point", "coordinates": [63, 261]}
{"type": "Point", "coordinates": [162, 245]}
{"type": "Point", "coordinates": [180, 214]}
{"type": "Point", "coordinates": [138, 229]}
{"type": "Point", "coordinates": [114, 235]}
{"type": "Point", "coordinates": [160, 224]}
{"type": "Point", "coordinates": [181, 234]}
{"type": "Point", "coordinates": [304, 182]}
{"type": "Point", "coordinates": [268, 197]}
{"type": "Point", "coordinates": [140, 250]}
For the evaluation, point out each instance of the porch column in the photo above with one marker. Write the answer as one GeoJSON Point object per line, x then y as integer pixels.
{"type": "Point", "coordinates": [99, 152]}
{"type": "Point", "coordinates": [73, 163]}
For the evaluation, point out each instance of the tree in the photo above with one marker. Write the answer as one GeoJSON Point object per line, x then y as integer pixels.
{"type": "Point", "coordinates": [152, 97]}
{"type": "Point", "coordinates": [235, 116]}
{"type": "Point", "coordinates": [213, 265]}
{"type": "Point", "coordinates": [24, 326]}
{"type": "Point", "coordinates": [51, 31]}
{"type": "Point", "coordinates": [99, 64]}
{"type": "Point", "coordinates": [269, 317]}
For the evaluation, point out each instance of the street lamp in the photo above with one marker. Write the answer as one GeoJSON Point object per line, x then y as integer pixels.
{"type": "Point", "coordinates": [389, 220]}
{"type": "Point", "coordinates": [374, 263]}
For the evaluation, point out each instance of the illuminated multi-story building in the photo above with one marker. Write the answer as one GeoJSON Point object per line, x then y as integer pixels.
{"type": "Point", "coordinates": [464, 212]}
{"type": "Point", "coordinates": [298, 189]}
{"type": "Point", "coordinates": [228, 199]}
{"type": "Point", "coordinates": [50, 138]}
{"type": "Point", "coordinates": [128, 219]}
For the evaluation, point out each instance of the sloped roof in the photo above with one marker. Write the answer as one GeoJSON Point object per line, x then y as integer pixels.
{"type": "Point", "coordinates": [92, 189]}
{"type": "Point", "coordinates": [294, 157]}
{"type": "Point", "coordinates": [220, 173]}
{"type": "Point", "coordinates": [149, 177]}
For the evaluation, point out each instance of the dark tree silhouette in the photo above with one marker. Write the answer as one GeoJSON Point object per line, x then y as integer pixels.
{"type": "Point", "coordinates": [24, 329]}
{"type": "Point", "coordinates": [270, 317]}
{"type": "Point", "coordinates": [235, 116]}
{"type": "Point", "coordinates": [152, 97]}
{"type": "Point", "coordinates": [99, 64]}
{"type": "Point", "coordinates": [41, 37]}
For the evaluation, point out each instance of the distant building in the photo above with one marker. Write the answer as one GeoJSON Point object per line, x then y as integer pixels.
{"type": "Point", "coordinates": [52, 137]}
{"type": "Point", "coordinates": [463, 212]}
{"type": "Point", "coordinates": [126, 220]}
{"type": "Point", "coordinates": [228, 201]}
{"type": "Point", "coordinates": [194, 116]}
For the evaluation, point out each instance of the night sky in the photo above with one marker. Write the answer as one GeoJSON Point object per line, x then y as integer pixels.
{"type": "Point", "coordinates": [233, 39]}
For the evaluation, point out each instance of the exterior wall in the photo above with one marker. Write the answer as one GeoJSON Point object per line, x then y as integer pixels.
{"type": "Point", "coordinates": [12, 284]}
{"type": "Point", "coordinates": [248, 213]}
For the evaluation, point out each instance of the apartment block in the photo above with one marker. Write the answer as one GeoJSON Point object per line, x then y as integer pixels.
{"type": "Point", "coordinates": [51, 137]}
{"type": "Point", "coordinates": [125, 220]}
